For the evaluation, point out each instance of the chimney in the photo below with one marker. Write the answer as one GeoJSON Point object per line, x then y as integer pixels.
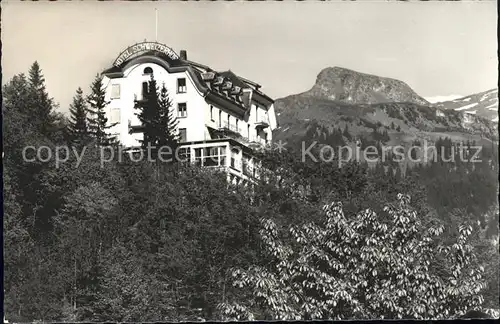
{"type": "Point", "coordinates": [183, 55]}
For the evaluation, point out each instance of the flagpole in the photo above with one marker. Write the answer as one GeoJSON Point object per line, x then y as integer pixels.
{"type": "Point", "coordinates": [156, 25]}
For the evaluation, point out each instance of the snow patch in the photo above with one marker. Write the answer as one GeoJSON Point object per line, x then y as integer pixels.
{"type": "Point", "coordinates": [492, 107]}
{"type": "Point", "coordinates": [466, 99]}
{"type": "Point", "coordinates": [286, 129]}
{"type": "Point", "coordinates": [466, 107]}
{"type": "Point", "coordinates": [489, 94]}
{"type": "Point", "coordinates": [495, 119]}
{"type": "Point", "coordinates": [437, 99]}
{"type": "Point", "coordinates": [472, 112]}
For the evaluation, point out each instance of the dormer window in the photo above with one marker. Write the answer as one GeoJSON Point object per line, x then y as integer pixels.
{"type": "Point", "coordinates": [181, 85]}
{"type": "Point", "coordinates": [148, 70]}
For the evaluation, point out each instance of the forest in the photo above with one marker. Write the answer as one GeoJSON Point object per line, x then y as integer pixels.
{"type": "Point", "coordinates": [150, 241]}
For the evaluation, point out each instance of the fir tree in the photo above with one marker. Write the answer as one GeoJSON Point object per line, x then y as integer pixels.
{"type": "Point", "coordinates": [77, 128]}
{"type": "Point", "coordinates": [157, 120]}
{"type": "Point", "coordinates": [167, 122]}
{"type": "Point", "coordinates": [40, 104]}
{"type": "Point", "coordinates": [98, 122]}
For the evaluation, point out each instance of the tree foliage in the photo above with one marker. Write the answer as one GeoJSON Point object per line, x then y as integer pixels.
{"type": "Point", "coordinates": [355, 268]}
{"type": "Point", "coordinates": [123, 240]}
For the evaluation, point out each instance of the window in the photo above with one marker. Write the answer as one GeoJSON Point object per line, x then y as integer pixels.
{"type": "Point", "coordinates": [237, 129]}
{"type": "Point", "coordinates": [115, 91]}
{"type": "Point", "coordinates": [220, 118]}
{"type": "Point", "coordinates": [235, 163]}
{"type": "Point", "coordinates": [182, 135]}
{"type": "Point", "coordinates": [211, 113]}
{"type": "Point", "coordinates": [214, 156]}
{"type": "Point", "coordinates": [248, 131]}
{"type": "Point", "coordinates": [148, 70]}
{"type": "Point", "coordinates": [256, 113]}
{"type": "Point", "coordinates": [210, 156]}
{"type": "Point", "coordinates": [184, 154]}
{"type": "Point", "coordinates": [144, 89]}
{"type": "Point", "coordinates": [181, 110]}
{"type": "Point", "coordinates": [247, 165]}
{"type": "Point", "coordinates": [228, 121]}
{"type": "Point", "coordinates": [114, 116]}
{"type": "Point", "coordinates": [181, 85]}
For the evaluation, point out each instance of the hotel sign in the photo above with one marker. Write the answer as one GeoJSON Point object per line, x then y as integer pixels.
{"type": "Point", "coordinates": [145, 47]}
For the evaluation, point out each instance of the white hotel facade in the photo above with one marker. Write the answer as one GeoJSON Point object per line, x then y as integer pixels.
{"type": "Point", "coordinates": [222, 118]}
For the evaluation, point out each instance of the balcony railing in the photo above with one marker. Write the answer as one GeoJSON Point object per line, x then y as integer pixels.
{"type": "Point", "coordinates": [237, 133]}
{"type": "Point", "coordinates": [225, 126]}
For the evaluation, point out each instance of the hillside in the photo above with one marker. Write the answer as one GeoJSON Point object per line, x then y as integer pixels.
{"type": "Point", "coordinates": [366, 102]}
{"type": "Point", "coordinates": [484, 104]}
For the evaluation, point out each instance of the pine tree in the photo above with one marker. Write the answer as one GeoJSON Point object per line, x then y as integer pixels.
{"type": "Point", "coordinates": [77, 128]}
{"type": "Point", "coordinates": [157, 120]}
{"type": "Point", "coordinates": [40, 104]}
{"type": "Point", "coordinates": [98, 122]}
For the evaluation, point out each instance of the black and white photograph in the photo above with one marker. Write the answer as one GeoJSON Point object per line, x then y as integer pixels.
{"type": "Point", "coordinates": [195, 161]}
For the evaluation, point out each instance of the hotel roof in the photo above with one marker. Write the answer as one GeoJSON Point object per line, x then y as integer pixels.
{"type": "Point", "coordinates": [226, 84]}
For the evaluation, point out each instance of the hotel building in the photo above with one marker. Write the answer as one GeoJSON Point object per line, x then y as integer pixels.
{"type": "Point", "coordinates": [222, 117]}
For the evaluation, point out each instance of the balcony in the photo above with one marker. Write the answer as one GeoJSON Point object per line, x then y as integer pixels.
{"type": "Point", "coordinates": [132, 129]}
{"type": "Point", "coordinates": [226, 130]}
{"type": "Point", "coordinates": [261, 124]}
{"type": "Point", "coordinates": [229, 128]}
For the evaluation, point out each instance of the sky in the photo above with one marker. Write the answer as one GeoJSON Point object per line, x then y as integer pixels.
{"type": "Point", "coordinates": [438, 48]}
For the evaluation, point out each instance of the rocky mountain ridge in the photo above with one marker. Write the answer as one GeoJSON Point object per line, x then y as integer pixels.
{"type": "Point", "coordinates": [349, 86]}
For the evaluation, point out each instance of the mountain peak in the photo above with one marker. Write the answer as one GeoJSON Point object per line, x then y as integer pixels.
{"type": "Point", "coordinates": [349, 86]}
